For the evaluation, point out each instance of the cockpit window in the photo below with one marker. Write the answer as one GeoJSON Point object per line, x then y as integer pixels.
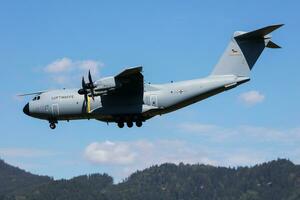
{"type": "Point", "coordinates": [36, 98]}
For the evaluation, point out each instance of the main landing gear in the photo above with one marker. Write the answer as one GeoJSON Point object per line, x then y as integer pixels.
{"type": "Point", "coordinates": [130, 124]}
{"type": "Point", "coordinates": [139, 123]}
{"type": "Point", "coordinates": [120, 124]}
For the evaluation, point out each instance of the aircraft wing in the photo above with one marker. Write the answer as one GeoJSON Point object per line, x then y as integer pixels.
{"type": "Point", "coordinates": [129, 72]}
{"type": "Point", "coordinates": [130, 90]}
{"type": "Point", "coordinates": [131, 81]}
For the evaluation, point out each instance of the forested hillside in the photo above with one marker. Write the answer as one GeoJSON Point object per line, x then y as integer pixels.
{"type": "Point", "coordinates": [274, 180]}
{"type": "Point", "coordinates": [13, 179]}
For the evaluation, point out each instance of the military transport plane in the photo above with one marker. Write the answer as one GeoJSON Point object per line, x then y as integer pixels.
{"type": "Point", "coordinates": [125, 98]}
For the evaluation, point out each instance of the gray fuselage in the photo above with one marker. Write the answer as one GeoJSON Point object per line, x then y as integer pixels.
{"type": "Point", "coordinates": [158, 99]}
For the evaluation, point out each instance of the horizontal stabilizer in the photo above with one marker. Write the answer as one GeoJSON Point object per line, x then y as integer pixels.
{"type": "Point", "coordinates": [272, 45]}
{"type": "Point", "coordinates": [260, 33]}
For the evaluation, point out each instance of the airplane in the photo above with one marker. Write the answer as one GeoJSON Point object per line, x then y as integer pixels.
{"type": "Point", "coordinates": [125, 98]}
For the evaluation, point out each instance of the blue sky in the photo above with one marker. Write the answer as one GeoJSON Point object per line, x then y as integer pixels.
{"type": "Point", "coordinates": [173, 40]}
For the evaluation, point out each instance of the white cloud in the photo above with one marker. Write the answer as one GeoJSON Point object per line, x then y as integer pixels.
{"type": "Point", "coordinates": [141, 151]}
{"type": "Point", "coordinates": [17, 97]}
{"type": "Point", "coordinates": [214, 145]}
{"type": "Point", "coordinates": [24, 152]}
{"type": "Point", "coordinates": [242, 132]}
{"type": "Point", "coordinates": [252, 97]}
{"type": "Point", "coordinates": [60, 79]}
{"type": "Point", "coordinates": [91, 65]}
{"type": "Point", "coordinates": [245, 158]}
{"type": "Point", "coordinates": [59, 65]}
{"type": "Point", "coordinates": [110, 153]}
{"type": "Point", "coordinates": [127, 157]}
{"type": "Point", "coordinates": [67, 71]}
{"type": "Point", "coordinates": [197, 127]}
{"type": "Point", "coordinates": [210, 131]}
{"type": "Point", "coordinates": [139, 154]}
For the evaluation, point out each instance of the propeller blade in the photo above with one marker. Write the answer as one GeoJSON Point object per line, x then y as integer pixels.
{"type": "Point", "coordinates": [84, 105]}
{"type": "Point", "coordinates": [85, 98]}
{"type": "Point", "coordinates": [84, 88]}
{"type": "Point", "coordinates": [83, 83]}
{"type": "Point", "coordinates": [92, 93]}
{"type": "Point", "coordinates": [91, 84]}
{"type": "Point", "coordinates": [90, 78]}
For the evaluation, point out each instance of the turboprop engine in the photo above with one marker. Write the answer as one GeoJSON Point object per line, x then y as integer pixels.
{"type": "Point", "coordinates": [105, 84]}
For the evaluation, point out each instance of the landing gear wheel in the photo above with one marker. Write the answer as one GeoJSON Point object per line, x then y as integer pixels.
{"type": "Point", "coordinates": [129, 124]}
{"type": "Point", "coordinates": [52, 125]}
{"type": "Point", "coordinates": [139, 123]}
{"type": "Point", "coordinates": [120, 124]}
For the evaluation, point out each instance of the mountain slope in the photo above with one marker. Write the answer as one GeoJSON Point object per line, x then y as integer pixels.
{"type": "Point", "coordinates": [13, 179]}
{"type": "Point", "coordinates": [274, 180]}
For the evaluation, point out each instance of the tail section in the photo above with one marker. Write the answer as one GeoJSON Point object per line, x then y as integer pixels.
{"type": "Point", "coordinates": [243, 51]}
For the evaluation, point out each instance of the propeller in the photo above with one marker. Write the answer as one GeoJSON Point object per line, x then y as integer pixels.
{"type": "Point", "coordinates": [87, 87]}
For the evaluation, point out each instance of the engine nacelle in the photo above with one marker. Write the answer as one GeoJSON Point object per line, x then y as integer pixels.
{"type": "Point", "coordinates": [106, 83]}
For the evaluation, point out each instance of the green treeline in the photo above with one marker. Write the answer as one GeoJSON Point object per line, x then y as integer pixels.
{"type": "Point", "coordinates": [274, 180]}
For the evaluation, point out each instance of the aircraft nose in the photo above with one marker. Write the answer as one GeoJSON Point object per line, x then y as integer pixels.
{"type": "Point", "coordinates": [26, 109]}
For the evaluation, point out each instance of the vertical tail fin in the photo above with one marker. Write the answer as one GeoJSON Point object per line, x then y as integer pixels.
{"type": "Point", "coordinates": [243, 51]}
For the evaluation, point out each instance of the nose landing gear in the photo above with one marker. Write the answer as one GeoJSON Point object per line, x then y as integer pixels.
{"type": "Point", "coordinates": [52, 124]}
